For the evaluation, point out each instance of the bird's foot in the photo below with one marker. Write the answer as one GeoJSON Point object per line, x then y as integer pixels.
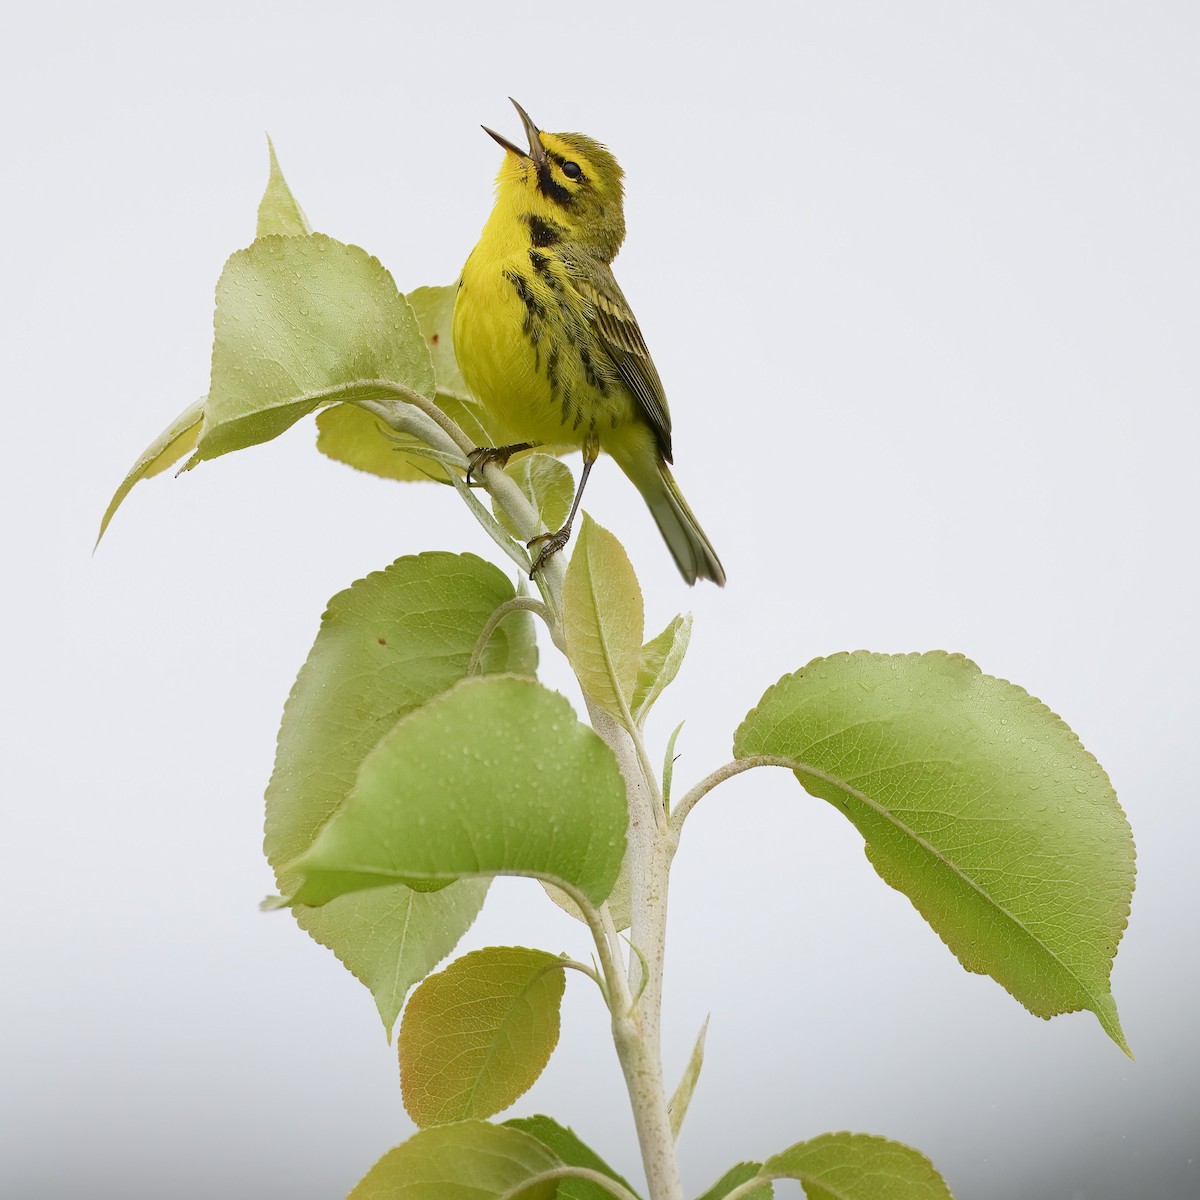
{"type": "Point", "coordinates": [482, 455]}
{"type": "Point", "coordinates": [551, 544]}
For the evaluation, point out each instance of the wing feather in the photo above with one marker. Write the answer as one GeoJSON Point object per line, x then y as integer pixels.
{"type": "Point", "coordinates": [622, 341]}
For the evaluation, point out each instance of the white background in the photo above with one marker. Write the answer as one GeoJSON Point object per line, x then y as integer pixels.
{"type": "Point", "coordinates": [921, 280]}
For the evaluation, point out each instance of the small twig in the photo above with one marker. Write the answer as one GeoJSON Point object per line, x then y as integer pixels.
{"type": "Point", "coordinates": [749, 1187]}
{"type": "Point", "coordinates": [728, 771]}
{"type": "Point", "coordinates": [584, 969]}
{"type": "Point", "coordinates": [491, 526]}
{"type": "Point", "coordinates": [611, 1186]}
{"type": "Point", "coordinates": [516, 604]}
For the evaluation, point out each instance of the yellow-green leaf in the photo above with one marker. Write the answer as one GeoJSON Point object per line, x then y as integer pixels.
{"type": "Point", "coordinates": [978, 803]}
{"type": "Point", "coordinates": [620, 899]}
{"type": "Point", "coordinates": [857, 1166]}
{"type": "Point", "coordinates": [566, 1144]}
{"type": "Point", "coordinates": [661, 659]}
{"type": "Point", "coordinates": [355, 437]}
{"type": "Point", "coordinates": [168, 448]}
{"type": "Point", "coordinates": [735, 1177]}
{"type": "Point", "coordinates": [476, 1036]}
{"type": "Point", "coordinates": [548, 486]}
{"type": "Point", "coordinates": [301, 322]}
{"type": "Point", "coordinates": [603, 620]}
{"type": "Point", "coordinates": [386, 645]}
{"type": "Point", "coordinates": [682, 1097]}
{"type": "Point", "coordinates": [278, 211]}
{"type": "Point", "coordinates": [495, 776]}
{"type": "Point", "coordinates": [471, 1160]}
{"type": "Point", "coordinates": [434, 307]}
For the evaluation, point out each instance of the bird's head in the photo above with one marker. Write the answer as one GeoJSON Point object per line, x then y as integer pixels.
{"type": "Point", "coordinates": [568, 180]}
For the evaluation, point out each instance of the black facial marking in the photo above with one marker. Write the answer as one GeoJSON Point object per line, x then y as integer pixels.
{"type": "Point", "coordinates": [551, 188]}
{"type": "Point", "coordinates": [544, 233]}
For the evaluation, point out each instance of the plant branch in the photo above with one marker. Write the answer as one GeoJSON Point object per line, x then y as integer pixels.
{"type": "Point", "coordinates": [728, 771]}
{"type": "Point", "coordinates": [637, 1029]}
{"type": "Point", "coordinates": [440, 432]}
{"type": "Point", "coordinates": [491, 526]}
{"type": "Point", "coordinates": [743, 1190]}
{"type": "Point", "coordinates": [651, 843]}
{"type": "Point", "coordinates": [570, 964]}
{"type": "Point", "coordinates": [600, 1180]}
{"type": "Point", "coordinates": [516, 604]}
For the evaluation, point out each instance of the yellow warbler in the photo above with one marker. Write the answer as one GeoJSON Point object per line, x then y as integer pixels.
{"type": "Point", "coordinates": [547, 341]}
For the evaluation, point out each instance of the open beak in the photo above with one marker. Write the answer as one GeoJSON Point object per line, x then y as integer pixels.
{"type": "Point", "coordinates": [536, 151]}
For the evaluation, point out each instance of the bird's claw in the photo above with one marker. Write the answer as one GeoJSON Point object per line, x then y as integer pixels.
{"type": "Point", "coordinates": [482, 455]}
{"type": "Point", "coordinates": [551, 544]}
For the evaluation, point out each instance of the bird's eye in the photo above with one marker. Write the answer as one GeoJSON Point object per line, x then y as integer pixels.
{"type": "Point", "coordinates": [571, 170]}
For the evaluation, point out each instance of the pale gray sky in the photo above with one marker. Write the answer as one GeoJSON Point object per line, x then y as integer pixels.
{"type": "Point", "coordinates": [921, 281]}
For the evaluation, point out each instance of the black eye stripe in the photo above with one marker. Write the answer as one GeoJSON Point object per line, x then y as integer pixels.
{"type": "Point", "coordinates": [550, 187]}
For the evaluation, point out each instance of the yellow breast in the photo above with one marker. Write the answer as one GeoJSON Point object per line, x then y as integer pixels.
{"type": "Point", "coordinates": [527, 346]}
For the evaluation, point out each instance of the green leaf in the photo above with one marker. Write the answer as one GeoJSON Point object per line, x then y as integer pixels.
{"type": "Point", "coordinates": [857, 1166]}
{"type": "Point", "coordinates": [566, 1145]}
{"type": "Point", "coordinates": [735, 1177]}
{"type": "Point", "coordinates": [386, 645]}
{"type": "Point", "coordinates": [301, 322]}
{"type": "Point", "coordinates": [547, 484]}
{"type": "Point", "coordinates": [476, 1036]}
{"type": "Point", "coordinates": [434, 307]}
{"type": "Point", "coordinates": [353, 436]}
{"type": "Point", "coordinates": [668, 774]}
{"type": "Point", "coordinates": [978, 803]}
{"type": "Point", "coordinates": [468, 1161]}
{"type": "Point", "coordinates": [278, 212]}
{"type": "Point", "coordinates": [391, 938]}
{"type": "Point", "coordinates": [495, 776]}
{"type": "Point", "coordinates": [620, 899]}
{"type": "Point", "coordinates": [167, 449]}
{"type": "Point", "coordinates": [682, 1098]}
{"type": "Point", "coordinates": [603, 620]}
{"type": "Point", "coordinates": [659, 664]}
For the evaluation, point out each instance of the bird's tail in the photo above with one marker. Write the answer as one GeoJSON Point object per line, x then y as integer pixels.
{"type": "Point", "coordinates": [691, 549]}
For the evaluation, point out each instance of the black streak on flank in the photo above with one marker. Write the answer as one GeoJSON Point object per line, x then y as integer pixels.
{"type": "Point", "coordinates": [533, 306]}
{"type": "Point", "coordinates": [544, 233]}
{"type": "Point", "coordinates": [589, 371]}
{"type": "Point", "coordinates": [541, 264]}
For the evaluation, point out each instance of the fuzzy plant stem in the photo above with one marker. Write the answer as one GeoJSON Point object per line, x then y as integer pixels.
{"type": "Point", "coordinates": [635, 998]}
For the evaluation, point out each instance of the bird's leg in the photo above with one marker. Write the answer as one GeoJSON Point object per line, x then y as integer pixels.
{"type": "Point", "coordinates": [482, 455]}
{"type": "Point", "coordinates": [552, 543]}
